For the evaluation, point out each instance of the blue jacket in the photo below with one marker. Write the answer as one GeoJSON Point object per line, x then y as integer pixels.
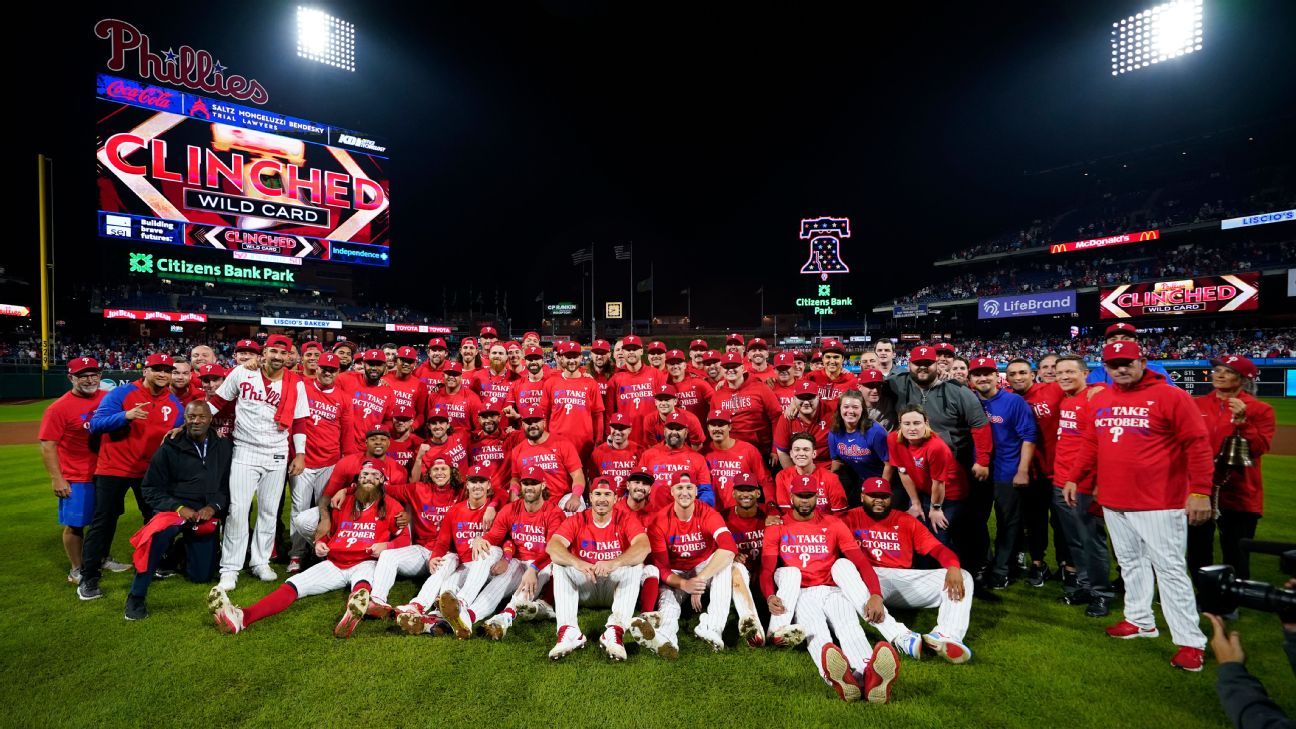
{"type": "Point", "coordinates": [866, 452]}
{"type": "Point", "coordinates": [1012, 422]}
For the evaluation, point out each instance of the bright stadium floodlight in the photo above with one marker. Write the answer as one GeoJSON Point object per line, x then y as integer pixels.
{"type": "Point", "coordinates": [324, 38]}
{"type": "Point", "coordinates": [1165, 32]}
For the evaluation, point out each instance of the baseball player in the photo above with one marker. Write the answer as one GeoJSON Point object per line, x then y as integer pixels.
{"type": "Point", "coordinates": [449, 560]}
{"type": "Point", "coordinates": [490, 445]}
{"type": "Point", "coordinates": [430, 370]}
{"type": "Point", "coordinates": [806, 414]}
{"type": "Point", "coordinates": [832, 381]}
{"type": "Point", "coordinates": [601, 368]}
{"type": "Point", "coordinates": [404, 444]}
{"type": "Point", "coordinates": [691, 390]}
{"type": "Point", "coordinates": [1149, 448]}
{"type": "Point", "coordinates": [728, 458]}
{"type": "Point", "coordinates": [409, 390]}
{"type": "Point", "coordinates": [247, 353]}
{"type": "Point", "coordinates": [673, 456]}
{"type": "Point", "coordinates": [656, 353]}
{"type": "Point", "coordinates": [758, 364]}
{"type": "Point", "coordinates": [310, 354]}
{"type": "Point", "coordinates": [808, 543]}
{"type": "Point", "coordinates": [328, 430]}
{"type": "Point", "coordinates": [181, 378]}
{"type": "Point", "coordinates": [576, 406]}
{"type": "Point", "coordinates": [597, 558]}
{"type": "Point", "coordinates": [631, 389]}
{"type": "Point", "coordinates": [692, 550]}
{"type": "Point", "coordinates": [359, 532]}
{"type": "Point", "coordinates": [372, 399]}
{"type": "Point", "coordinates": [832, 498]}
{"type": "Point", "coordinates": [890, 539]}
{"type": "Point", "coordinates": [522, 531]}
{"type": "Point", "coordinates": [211, 377]}
{"type": "Point", "coordinates": [130, 421]}
{"type": "Point", "coordinates": [443, 441]}
{"type": "Point", "coordinates": [1045, 399]}
{"type": "Point", "coordinates": [784, 381]}
{"type": "Point", "coordinates": [746, 522]}
{"type": "Point", "coordinates": [69, 460]}
{"type": "Point", "coordinates": [528, 389]}
{"type": "Point", "coordinates": [651, 424]}
{"type": "Point", "coordinates": [270, 404]}
{"type": "Point", "coordinates": [556, 456]}
{"type": "Point", "coordinates": [618, 456]}
{"type": "Point", "coordinates": [469, 355]}
{"type": "Point", "coordinates": [751, 405]}
{"type": "Point", "coordinates": [496, 379]}
{"type": "Point", "coordinates": [459, 402]}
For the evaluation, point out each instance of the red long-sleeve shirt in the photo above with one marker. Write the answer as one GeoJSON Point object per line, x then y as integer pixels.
{"type": "Point", "coordinates": [812, 546]}
{"type": "Point", "coordinates": [663, 462]}
{"type": "Point", "coordinates": [694, 395]}
{"type": "Point", "coordinates": [928, 461]}
{"type": "Point", "coordinates": [830, 497]}
{"type": "Point", "coordinates": [411, 392]}
{"type": "Point", "coordinates": [528, 531]}
{"type": "Point", "coordinates": [816, 426]}
{"type": "Point", "coordinates": [754, 410]}
{"type": "Point", "coordinates": [1244, 488]}
{"type": "Point", "coordinates": [1072, 410]}
{"type": "Point", "coordinates": [830, 390]}
{"type": "Point", "coordinates": [1045, 398]}
{"type": "Point", "coordinates": [893, 540]}
{"type": "Point", "coordinates": [371, 407]}
{"type": "Point", "coordinates": [616, 463]}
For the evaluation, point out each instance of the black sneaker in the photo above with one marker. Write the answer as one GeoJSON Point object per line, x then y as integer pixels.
{"type": "Point", "coordinates": [161, 573]}
{"type": "Point", "coordinates": [1018, 566]}
{"type": "Point", "coordinates": [1038, 575]}
{"type": "Point", "coordinates": [135, 608]}
{"type": "Point", "coordinates": [1118, 585]}
{"type": "Point", "coordinates": [1069, 579]}
{"type": "Point", "coordinates": [1077, 597]}
{"type": "Point", "coordinates": [89, 590]}
{"type": "Point", "coordinates": [998, 582]}
{"type": "Point", "coordinates": [1099, 606]}
{"type": "Point", "coordinates": [1062, 572]}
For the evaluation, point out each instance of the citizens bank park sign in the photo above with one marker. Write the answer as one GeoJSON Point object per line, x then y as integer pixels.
{"type": "Point", "coordinates": [1198, 295]}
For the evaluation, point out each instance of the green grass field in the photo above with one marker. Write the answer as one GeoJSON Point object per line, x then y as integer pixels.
{"type": "Point", "coordinates": [1036, 664]}
{"type": "Point", "coordinates": [23, 413]}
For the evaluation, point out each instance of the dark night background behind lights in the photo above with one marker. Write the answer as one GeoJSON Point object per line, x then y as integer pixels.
{"type": "Point", "coordinates": [520, 132]}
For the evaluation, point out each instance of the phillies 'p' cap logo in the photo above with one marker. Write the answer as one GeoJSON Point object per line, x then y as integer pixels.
{"type": "Point", "coordinates": [1117, 346]}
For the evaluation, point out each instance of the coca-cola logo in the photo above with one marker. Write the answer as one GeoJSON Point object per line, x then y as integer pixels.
{"type": "Point", "coordinates": [188, 67]}
{"type": "Point", "coordinates": [152, 96]}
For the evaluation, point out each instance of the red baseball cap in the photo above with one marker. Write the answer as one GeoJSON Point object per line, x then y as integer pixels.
{"type": "Point", "coordinates": [712, 355]}
{"type": "Point", "coordinates": [643, 474]}
{"type": "Point", "coordinates": [981, 364]}
{"type": "Point", "coordinates": [1122, 327]}
{"type": "Point", "coordinates": [344, 344]}
{"type": "Point", "coordinates": [619, 420]}
{"type": "Point", "coordinates": [918, 355]}
{"type": "Point", "coordinates": [378, 430]}
{"type": "Point", "coordinates": [436, 343]}
{"type": "Point", "coordinates": [532, 413]}
{"type": "Point", "coordinates": [757, 343]}
{"type": "Point", "coordinates": [511, 345]}
{"type": "Point", "coordinates": [278, 341]}
{"type": "Point", "coordinates": [373, 355]}
{"type": "Point", "coordinates": [408, 353]}
{"type": "Point", "coordinates": [784, 359]}
{"type": "Point", "coordinates": [745, 481]}
{"type": "Point", "coordinates": [816, 355]}
{"type": "Point", "coordinates": [871, 377]}
{"type": "Point", "coordinates": [215, 370]}
{"type": "Point", "coordinates": [720, 415]}
{"type": "Point", "coordinates": [875, 487]}
{"type": "Point", "coordinates": [656, 346]}
{"type": "Point", "coordinates": [439, 412]}
{"type": "Point", "coordinates": [532, 474]}
{"type": "Point", "coordinates": [698, 345]}
{"type": "Point", "coordinates": [831, 345]}
{"type": "Point", "coordinates": [403, 411]}
{"type": "Point", "coordinates": [601, 346]}
{"type": "Point", "coordinates": [86, 364]}
{"type": "Point", "coordinates": [631, 340]}
{"type": "Point", "coordinates": [480, 473]}
{"type": "Point", "coordinates": [312, 345]}
{"type": "Point", "coordinates": [735, 338]}
{"type": "Point", "coordinates": [667, 390]}
{"type": "Point", "coordinates": [945, 348]}
{"type": "Point", "coordinates": [803, 485]}
{"type": "Point", "coordinates": [799, 354]}
{"type": "Point", "coordinates": [330, 360]}
{"type": "Point", "coordinates": [468, 340]}
{"type": "Point", "coordinates": [676, 355]}
{"type": "Point", "coordinates": [531, 335]}
{"type": "Point", "coordinates": [531, 352]}
{"type": "Point", "coordinates": [805, 387]}
{"type": "Point", "coordinates": [159, 359]}
{"type": "Point", "coordinates": [568, 347]}
{"type": "Point", "coordinates": [490, 406]}
{"type": "Point", "coordinates": [1121, 352]}
{"type": "Point", "coordinates": [732, 358]}
{"type": "Point", "coordinates": [247, 345]}
{"type": "Point", "coordinates": [676, 420]}
{"type": "Point", "coordinates": [602, 482]}
{"type": "Point", "coordinates": [452, 368]}
{"type": "Point", "coordinates": [488, 332]}
{"type": "Point", "coordinates": [1239, 364]}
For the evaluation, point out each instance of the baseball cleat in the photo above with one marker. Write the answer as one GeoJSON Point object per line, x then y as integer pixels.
{"type": "Point", "coordinates": [643, 630]}
{"type": "Point", "coordinates": [910, 644]}
{"type": "Point", "coordinates": [217, 600]}
{"type": "Point", "coordinates": [112, 565]}
{"type": "Point", "coordinates": [294, 565]}
{"type": "Point", "coordinates": [378, 609]}
{"type": "Point", "coordinates": [836, 671]}
{"type": "Point", "coordinates": [750, 630]}
{"type": "Point", "coordinates": [881, 673]}
{"type": "Point", "coordinates": [497, 627]}
{"type": "Point", "coordinates": [89, 590]}
{"type": "Point", "coordinates": [667, 650]}
{"type": "Point", "coordinates": [527, 610]}
{"type": "Point", "coordinates": [1126, 630]}
{"type": "Point", "coordinates": [410, 618]}
{"type": "Point", "coordinates": [228, 581]}
{"type": "Point", "coordinates": [456, 614]}
{"type": "Point", "coordinates": [228, 618]}
{"type": "Point", "coordinates": [356, 607]}
{"type": "Point", "coordinates": [788, 636]}
{"type": "Point", "coordinates": [710, 637]}
{"type": "Point", "coordinates": [543, 610]}
{"type": "Point", "coordinates": [1188, 659]}
{"type": "Point", "coordinates": [952, 650]}
{"type": "Point", "coordinates": [264, 573]}
{"type": "Point", "coordinates": [569, 639]}
{"type": "Point", "coordinates": [612, 644]}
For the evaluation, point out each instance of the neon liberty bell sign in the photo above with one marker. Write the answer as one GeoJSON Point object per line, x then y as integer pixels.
{"type": "Point", "coordinates": [825, 236]}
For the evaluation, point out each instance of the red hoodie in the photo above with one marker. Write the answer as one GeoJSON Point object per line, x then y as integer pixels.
{"type": "Point", "coordinates": [1148, 446]}
{"type": "Point", "coordinates": [754, 409]}
{"type": "Point", "coordinates": [1244, 490]}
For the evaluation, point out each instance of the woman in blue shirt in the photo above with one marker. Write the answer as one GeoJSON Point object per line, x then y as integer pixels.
{"type": "Point", "coordinates": [856, 444]}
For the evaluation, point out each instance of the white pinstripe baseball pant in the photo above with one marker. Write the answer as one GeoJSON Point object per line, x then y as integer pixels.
{"type": "Point", "coordinates": [823, 610]}
{"type": "Point", "coordinates": [450, 574]}
{"type": "Point", "coordinates": [744, 603]}
{"type": "Point", "coordinates": [478, 583]}
{"type": "Point", "coordinates": [326, 577]}
{"type": "Point", "coordinates": [542, 579]}
{"type": "Point", "coordinates": [266, 483]}
{"type": "Point", "coordinates": [787, 587]}
{"type": "Point", "coordinates": [620, 590]}
{"type": "Point", "coordinates": [911, 589]}
{"type": "Point", "coordinates": [411, 561]}
{"type": "Point", "coordinates": [719, 597]}
{"type": "Point", "coordinates": [1153, 543]}
{"type": "Point", "coordinates": [306, 489]}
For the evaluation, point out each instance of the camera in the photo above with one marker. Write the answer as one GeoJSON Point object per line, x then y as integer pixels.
{"type": "Point", "coordinates": [1219, 591]}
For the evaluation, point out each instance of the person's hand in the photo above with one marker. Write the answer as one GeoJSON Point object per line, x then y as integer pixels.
{"type": "Point", "coordinates": [571, 503]}
{"type": "Point", "coordinates": [1227, 648]}
{"type": "Point", "coordinates": [480, 547]}
{"type": "Point", "coordinates": [773, 519]}
{"type": "Point", "coordinates": [298, 465]}
{"type": "Point", "coordinates": [1069, 493]}
{"type": "Point", "coordinates": [915, 510]}
{"type": "Point", "coordinates": [377, 548]}
{"type": "Point", "coordinates": [1238, 408]}
{"type": "Point", "coordinates": [775, 605]}
{"type": "Point", "coordinates": [587, 569]}
{"type": "Point", "coordinates": [434, 564]}
{"type": "Point", "coordinates": [874, 610]}
{"type": "Point", "coordinates": [790, 412]}
{"type": "Point", "coordinates": [206, 513]}
{"type": "Point", "coordinates": [1199, 509]}
{"type": "Point", "coordinates": [740, 557]}
{"type": "Point", "coordinates": [62, 488]}
{"type": "Point", "coordinates": [139, 412]}
{"type": "Point", "coordinates": [187, 514]}
{"type": "Point", "coordinates": [603, 569]}
{"type": "Point", "coordinates": [980, 472]}
{"type": "Point", "coordinates": [424, 448]}
{"type": "Point", "coordinates": [937, 519]}
{"type": "Point", "coordinates": [321, 549]}
{"type": "Point", "coordinates": [954, 583]}
{"type": "Point", "coordinates": [402, 519]}
{"type": "Point", "coordinates": [527, 588]}
{"type": "Point", "coordinates": [172, 434]}
{"type": "Point", "coordinates": [499, 567]}
{"type": "Point", "coordinates": [488, 517]}
{"type": "Point", "coordinates": [338, 499]}
{"type": "Point", "coordinates": [773, 459]}
{"type": "Point", "coordinates": [693, 586]}
{"type": "Point", "coordinates": [1021, 479]}
{"type": "Point", "coordinates": [697, 603]}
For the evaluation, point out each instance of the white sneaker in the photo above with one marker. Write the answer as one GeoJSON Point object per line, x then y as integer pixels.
{"type": "Point", "coordinates": [74, 576]}
{"type": "Point", "coordinates": [228, 581]}
{"type": "Point", "coordinates": [264, 573]}
{"type": "Point", "coordinates": [788, 636]}
{"type": "Point", "coordinates": [456, 613]}
{"type": "Point", "coordinates": [644, 631]}
{"type": "Point", "coordinates": [910, 644]}
{"type": "Point", "coordinates": [294, 565]}
{"type": "Point", "coordinates": [710, 637]}
{"type": "Point", "coordinates": [611, 643]}
{"type": "Point", "coordinates": [952, 650]}
{"type": "Point", "coordinates": [112, 565]}
{"type": "Point", "coordinates": [228, 618]}
{"type": "Point", "coordinates": [569, 639]}
{"type": "Point", "coordinates": [497, 627]}
{"type": "Point", "coordinates": [543, 610]}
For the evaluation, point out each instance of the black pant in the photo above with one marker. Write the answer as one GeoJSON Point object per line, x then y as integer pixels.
{"type": "Point", "coordinates": [200, 557]}
{"type": "Point", "coordinates": [1087, 535]}
{"type": "Point", "coordinates": [971, 534]}
{"type": "Point", "coordinates": [1009, 505]}
{"type": "Point", "coordinates": [1234, 526]}
{"type": "Point", "coordinates": [110, 503]}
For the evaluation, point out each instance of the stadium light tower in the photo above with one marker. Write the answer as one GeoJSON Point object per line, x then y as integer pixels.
{"type": "Point", "coordinates": [324, 38]}
{"type": "Point", "coordinates": [1162, 33]}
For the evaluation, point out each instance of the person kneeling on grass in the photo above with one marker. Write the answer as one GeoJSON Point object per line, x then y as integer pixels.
{"type": "Point", "coordinates": [360, 530]}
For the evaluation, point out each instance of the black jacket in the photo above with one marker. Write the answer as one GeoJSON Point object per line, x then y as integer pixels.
{"type": "Point", "coordinates": [177, 476]}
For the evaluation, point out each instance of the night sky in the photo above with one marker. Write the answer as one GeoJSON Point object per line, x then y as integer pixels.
{"type": "Point", "coordinates": [521, 132]}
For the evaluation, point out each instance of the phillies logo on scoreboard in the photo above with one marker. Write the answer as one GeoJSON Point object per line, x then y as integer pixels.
{"type": "Point", "coordinates": [825, 235]}
{"type": "Point", "coordinates": [193, 69]}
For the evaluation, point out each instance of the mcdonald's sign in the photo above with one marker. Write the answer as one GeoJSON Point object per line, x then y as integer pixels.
{"type": "Point", "coordinates": [1111, 240]}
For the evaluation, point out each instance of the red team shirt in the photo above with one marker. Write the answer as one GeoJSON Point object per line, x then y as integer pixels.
{"type": "Point", "coordinates": [748, 533]}
{"type": "Point", "coordinates": [527, 531]}
{"type": "Point", "coordinates": [427, 505]}
{"type": "Point", "coordinates": [632, 392]}
{"type": "Point", "coordinates": [1045, 398]}
{"type": "Point", "coordinates": [528, 394]}
{"type": "Point", "coordinates": [371, 406]}
{"type": "Point", "coordinates": [410, 392]}
{"type": "Point", "coordinates": [353, 535]}
{"type": "Point", "coordinates": [893, 540]}
{"type": "Point", "coordinates": [663, 463]}
{"type": "Point", "coordinates": [592, 543]}
{"type": "Point", "coordinates": [403, 451]}
{"type": "Point", "coordinates": [1067, 447]}
{"type": "Point", "coordinates": [650, 429]}
{"type": "Point", "coordinates": [694, 395]}
{"type": "Point", "coordinates": [488, 384]}
{"type": "Point", "coordinates": [727, 465]}
{"type": "Point", "coordinates": [557, 457]}
{"type": "Point", "coordinates": [329, 427]}
{"type": "Point", "coordinates": [574, 404]}
{"type": "Point", "coordinates": [812, 546]}
{"type": "Point", "coordinates": [459, 527]}
{"type": "Point", "coordinates": [683, 545]}
{"type": "Point", "coordinates": [830, 496]}
{"type": "Point", "coordinates": [818, 427]}
{"type": "Point", "coordinates": [67, 422]}
{"type": "Point", "coordinates": [454, 450]}
{"type": "Point", "coordinates": [616, 463]}
{"type": "Point", "coordinates": [830, 391]}
{"type": "Point", "coordinates": [461, 407]}
{"type": "Point", "coordinates": [754, 410]}
{"type": "Point", "coordinates": [346, 470]}
{"type": "Point", "coordinates": [929, 460]}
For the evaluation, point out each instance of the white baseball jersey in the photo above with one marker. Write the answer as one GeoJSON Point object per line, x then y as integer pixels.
{"type": "Point", "coordinates": [258, 439]}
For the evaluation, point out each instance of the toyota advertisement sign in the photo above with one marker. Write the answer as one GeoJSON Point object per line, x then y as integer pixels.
{"type": "Point", "coordinates": [1003, 307]}
{"type": "Point", "coordinates": [1198, 295]}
